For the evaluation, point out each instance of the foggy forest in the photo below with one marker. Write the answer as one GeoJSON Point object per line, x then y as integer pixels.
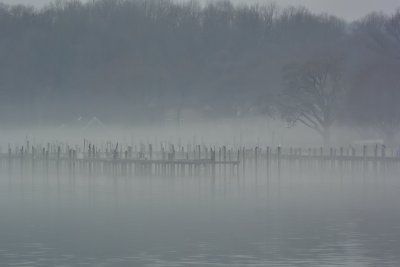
{"type": "Point", "coordinates": [132, 62]}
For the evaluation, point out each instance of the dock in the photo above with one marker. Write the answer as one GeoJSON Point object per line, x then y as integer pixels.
{"type": "Point", "coordinates": [177, 160]}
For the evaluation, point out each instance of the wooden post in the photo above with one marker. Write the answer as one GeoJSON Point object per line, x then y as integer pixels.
{"type": "Point", "coordinates": [150, 152]}
{"type": "Point", "coordinates": [255, 154]}
{"type": "Point", "coordinates": [279, 152]}
{"type": "Point", "coordinates": [73, 158]}
{"type": "Point", "coordinates": [212, 151]}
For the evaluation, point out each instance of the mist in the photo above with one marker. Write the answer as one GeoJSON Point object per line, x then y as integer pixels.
{"type": "Point", "coordinates": [199, 133]}
{"type": "Point", "coordinates": [131, 63]}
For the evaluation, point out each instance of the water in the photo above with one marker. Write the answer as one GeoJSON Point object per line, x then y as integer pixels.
{"type": "Point", "coordinates": [300, 216]}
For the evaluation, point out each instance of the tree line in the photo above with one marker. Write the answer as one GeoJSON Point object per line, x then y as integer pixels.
{"type": "Point", "coordinates": [131, 61]}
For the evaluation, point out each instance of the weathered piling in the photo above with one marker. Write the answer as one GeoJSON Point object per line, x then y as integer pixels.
{"type": "Point", "coordinates": [199, 160]}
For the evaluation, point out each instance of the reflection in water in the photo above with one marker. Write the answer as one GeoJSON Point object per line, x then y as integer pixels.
{"type": "Point", "coordinates": [306, 213]}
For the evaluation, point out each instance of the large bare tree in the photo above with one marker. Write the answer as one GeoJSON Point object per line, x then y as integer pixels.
{"type": "Point", "coordinates": [310, 95]}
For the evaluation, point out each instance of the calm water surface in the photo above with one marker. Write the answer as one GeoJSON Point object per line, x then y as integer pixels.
{"type": "Point", "coordinates": [301, 216]}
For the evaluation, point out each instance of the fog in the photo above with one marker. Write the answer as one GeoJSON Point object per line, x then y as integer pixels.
{"type": "Point", "coordinates": [135, 63]}
{"type": "Point", "coordinates": [199, 133]}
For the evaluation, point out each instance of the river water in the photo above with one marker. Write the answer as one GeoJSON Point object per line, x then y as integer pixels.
{"type": "Point", "coordinates": [300, 215]}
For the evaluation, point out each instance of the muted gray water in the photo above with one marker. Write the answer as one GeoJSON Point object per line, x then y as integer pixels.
{"type": "Point", "coordinates": [302, 216]}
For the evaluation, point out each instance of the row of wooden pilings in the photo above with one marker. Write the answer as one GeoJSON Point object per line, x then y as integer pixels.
{"type": "Point", "coordinates": [163, 163]}
{"type": "Point", "coordinates": [197, 152]}
{"type": "Point", "coordinates": [200, 160]}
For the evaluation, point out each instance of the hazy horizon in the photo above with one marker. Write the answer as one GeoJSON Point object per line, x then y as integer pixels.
{"type": "Point", "coordinates": [348, 10]}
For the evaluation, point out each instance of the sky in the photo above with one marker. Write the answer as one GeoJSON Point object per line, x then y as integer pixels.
{"type": "Point", "coordinates": [347, 9]}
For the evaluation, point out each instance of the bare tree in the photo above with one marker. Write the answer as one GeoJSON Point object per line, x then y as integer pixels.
{"type": "Point", "coordinates": [310, 95]}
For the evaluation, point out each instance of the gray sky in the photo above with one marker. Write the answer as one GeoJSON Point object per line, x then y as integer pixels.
{"type": "Point", "coordinates": [347, 9]}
